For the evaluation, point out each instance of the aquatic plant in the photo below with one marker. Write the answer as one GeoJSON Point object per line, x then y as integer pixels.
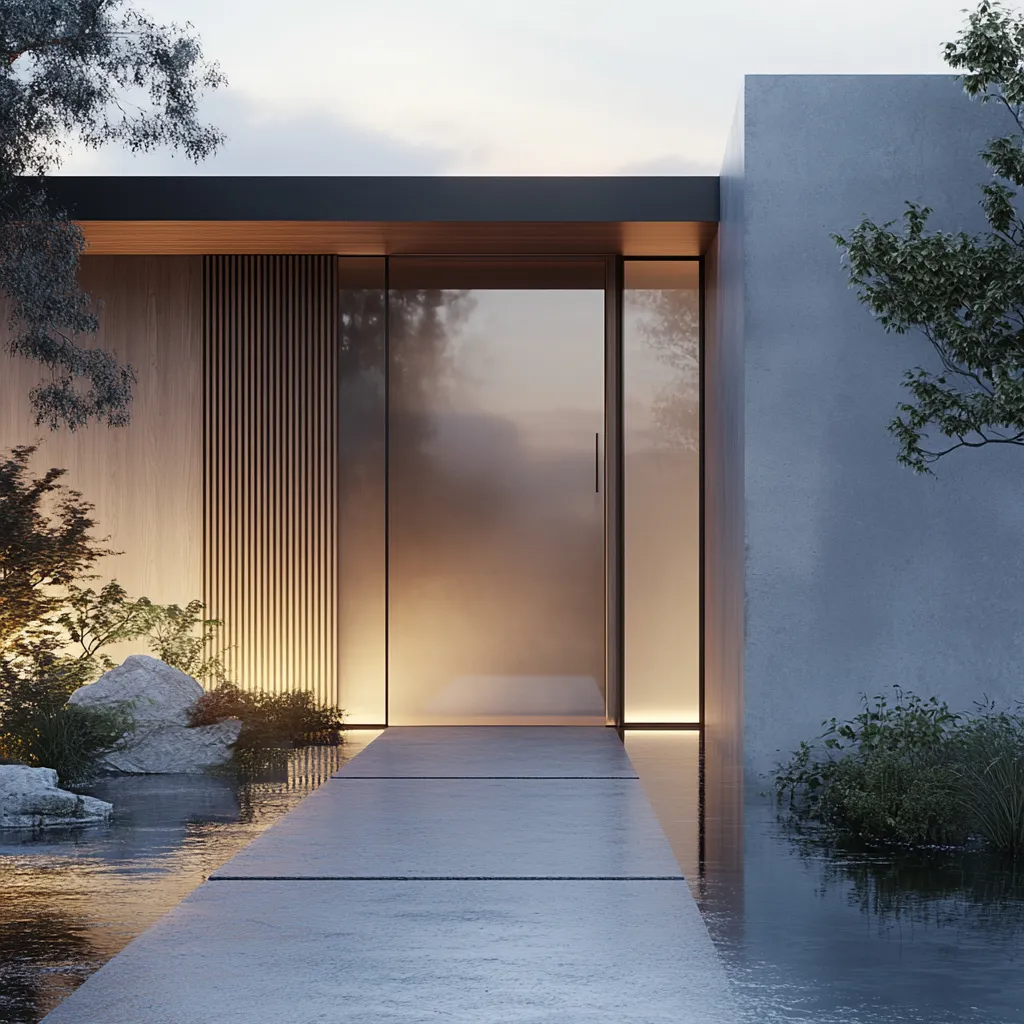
{"type": "Point", "coordinates": [913, 773]}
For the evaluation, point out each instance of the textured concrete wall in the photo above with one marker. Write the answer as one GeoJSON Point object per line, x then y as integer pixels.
{"type": "Point", "coordinates": [723, 520]}
{"type": "Point", "coordinates": [859, 573]}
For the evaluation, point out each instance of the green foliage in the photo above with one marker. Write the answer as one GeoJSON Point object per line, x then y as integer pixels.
{"type": "Point", "coordinates": [46, 544]}
{"type": "Point", "coordinates": [92, 73]}
{"type": "Point", "coordinates": [294, 719]}
{"type": "Point", "coordinates": [94, 620]}
{"type": "Point", "coordinates": [964, 293]}
{"type": "Point", "coordinates": [915, 773]}
{"type": "Point", "coordinates": [172, 636]}
{"type": "Point", "coordinates": [271, 723]}
{"type": "Point", "coordinates": [991, 779]}
{"type": "Point", "coordinates": [39, 728]}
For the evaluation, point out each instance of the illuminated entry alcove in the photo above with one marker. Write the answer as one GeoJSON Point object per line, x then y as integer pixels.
{"type": "Point", "coordinates": [432, 449]}
{"type": "Point", "coordinates": [518, 509]}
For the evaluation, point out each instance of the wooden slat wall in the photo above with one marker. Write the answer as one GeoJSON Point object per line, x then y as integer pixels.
{"type": "Point", "coordinates": [270, 480]}
{"type": "Point", "coordinates": [145, 479]}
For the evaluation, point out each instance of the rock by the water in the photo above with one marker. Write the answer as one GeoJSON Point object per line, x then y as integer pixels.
{"type": "Point", "coordinates": [31, 798]}
{"type": "Point", "coordinates": [161, 697]}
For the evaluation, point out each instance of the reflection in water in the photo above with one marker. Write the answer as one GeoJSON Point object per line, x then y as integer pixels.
{"type": "Point", "coordinates": [71, 899]}
{"type": "Point", "coordinates": [812, 932]}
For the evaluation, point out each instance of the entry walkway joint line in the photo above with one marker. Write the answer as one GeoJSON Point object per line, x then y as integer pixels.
{"type": "Point", "coordinates": [446, 878]}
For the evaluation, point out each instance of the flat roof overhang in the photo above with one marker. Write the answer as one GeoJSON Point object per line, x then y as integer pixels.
{"type": "Point", "coordinates": [634, 216]}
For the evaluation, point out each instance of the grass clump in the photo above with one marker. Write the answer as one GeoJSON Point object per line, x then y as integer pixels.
{"type": "Point", "coordinates": [272, 723]}
{"type": "Point", "coordinates": [39, 728]}
{"type": "Point", "coordinates": [913, 773]}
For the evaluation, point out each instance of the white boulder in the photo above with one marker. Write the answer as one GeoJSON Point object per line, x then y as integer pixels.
{"type": "Point", "coordinates": [161, 698]}
{"type": "Point", "coordinates": [31, 798]}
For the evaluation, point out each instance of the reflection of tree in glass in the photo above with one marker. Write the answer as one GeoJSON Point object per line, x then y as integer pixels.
{"type": "Point", "coordinates": [669, 322]}
{"type": "Point", "coordinates": [423, 323]}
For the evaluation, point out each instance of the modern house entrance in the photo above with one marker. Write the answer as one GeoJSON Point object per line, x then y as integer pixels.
{"type": "Point", "coordinates": [520, 487]}
{"type": "Point", "coordinates": [431, 449]}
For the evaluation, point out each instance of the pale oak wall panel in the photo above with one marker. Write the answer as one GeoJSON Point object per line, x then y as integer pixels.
{"type": "Point", "coordinates": [145, 479]}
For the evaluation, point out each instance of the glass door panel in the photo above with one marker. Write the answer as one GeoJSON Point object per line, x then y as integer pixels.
{"type": "Point", "coordinates": [495, 491]}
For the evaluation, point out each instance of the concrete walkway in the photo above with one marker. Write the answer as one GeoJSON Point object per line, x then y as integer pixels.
{"type": "Point", "coordinates": [478, 875]}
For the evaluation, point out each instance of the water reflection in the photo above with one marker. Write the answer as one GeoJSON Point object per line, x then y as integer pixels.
{"type": "Point", "coordinates": [810, 931]}
{"type": "Point", "coordinates": [71, 899]}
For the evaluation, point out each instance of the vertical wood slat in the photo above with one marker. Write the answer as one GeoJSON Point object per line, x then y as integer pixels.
{"type": "Point", "coordinates": [270, 489]}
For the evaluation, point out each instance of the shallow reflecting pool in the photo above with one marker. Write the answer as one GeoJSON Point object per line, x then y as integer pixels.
{"type": "Point", "coordinates": [807, 934]}
{"type": "Point", "coordinates": [71, 899]}
{"type": "Point", "coordinates": [828, 936]}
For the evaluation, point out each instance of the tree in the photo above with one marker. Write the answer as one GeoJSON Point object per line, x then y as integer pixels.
{"type": "Point", "coordinates": [46, 546]}
{"type": "Point", "coordinates": [964, 292]}
{"type": "Point", "coordinates": [95, 72]}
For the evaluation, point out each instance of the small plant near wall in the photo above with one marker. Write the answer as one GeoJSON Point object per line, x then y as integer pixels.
{"type": "Point", "coordinates": [47, 549]}
{"type": "Point", "coordinates": [173, 638]}
{"type": "Point", "coordinates": [913, 773]}
{"type": "Point", "coordinates": [272, 724]}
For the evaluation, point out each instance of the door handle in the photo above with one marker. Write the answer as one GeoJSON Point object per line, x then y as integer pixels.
{"type": "Point", "coordinates": [597, 463]}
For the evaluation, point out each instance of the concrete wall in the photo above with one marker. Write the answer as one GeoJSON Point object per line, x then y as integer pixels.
{"type": "Point", "coordinates": [859, 573]}
{"type": "Point", "coordinates": [723, 527]}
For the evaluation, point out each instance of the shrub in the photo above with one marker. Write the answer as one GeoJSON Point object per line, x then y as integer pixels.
{"type": "Point", "coordinates": [271, 723]}
{"type": "Point", "coordinates": [913, 773]}
{"type": "Point", "coordinates": [46, 542]}
{"type": "Point", "coordinates": [891, 796]}
{"type": "Point", "coordinates": [39, 728]}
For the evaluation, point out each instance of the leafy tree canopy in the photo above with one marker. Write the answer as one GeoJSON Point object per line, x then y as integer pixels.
{"type": "Point", "coordinates": [964, 292]}
{"type": "Point", "coordinates": [91, 72]}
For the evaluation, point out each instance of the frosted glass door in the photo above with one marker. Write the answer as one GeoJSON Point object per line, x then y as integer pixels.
{"type": "Point", "coordinates": [495, 492]}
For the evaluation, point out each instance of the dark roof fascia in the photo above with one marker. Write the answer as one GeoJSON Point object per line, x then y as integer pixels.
{"type": "Point", "coordinates": [383, 199]}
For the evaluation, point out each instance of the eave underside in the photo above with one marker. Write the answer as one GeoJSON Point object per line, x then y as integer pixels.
{"type": "Point", "coordinates": [210, 237]}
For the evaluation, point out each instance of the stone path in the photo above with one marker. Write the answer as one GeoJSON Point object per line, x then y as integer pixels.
{"type": "Point", "coordinates": [476, 874]}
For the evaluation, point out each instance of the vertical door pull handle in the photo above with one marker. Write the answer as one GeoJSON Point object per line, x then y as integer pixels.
{"type": "Point", "coordinates": [597, 464]}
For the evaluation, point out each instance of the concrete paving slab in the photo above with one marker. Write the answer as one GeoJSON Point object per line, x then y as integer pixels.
{"type": "Point", "coordinates": [626, 942]}
{"type": "Point", "coordinates": [412, 952]}
{"type": "Point", "coordinates": [493, 751]}
{"type": "Point", "coordinates": [374, 828]}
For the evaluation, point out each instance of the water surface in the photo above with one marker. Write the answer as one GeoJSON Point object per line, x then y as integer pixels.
{"type": "Point", "coordinates": [814, 933]}
{"type": "Point", "coordinates": [70, 899]}
{"type": "Point", "coordinates": [808, 933]}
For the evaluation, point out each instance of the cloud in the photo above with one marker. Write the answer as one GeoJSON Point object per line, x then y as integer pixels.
{"type": "Point", "coordinates": [669, 165]}
{"type": "Point", "coordinates": [279, 140]}
{"type": "Point", "coordinates": [517, 86]}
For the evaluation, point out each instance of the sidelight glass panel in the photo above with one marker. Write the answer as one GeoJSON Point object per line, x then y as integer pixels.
{"type": "Point", "coordinates": [361, 482]}
{"type": "Point", "coordinates": [661, 481]}
{"type": "Point", "coordinates": [496, 559]}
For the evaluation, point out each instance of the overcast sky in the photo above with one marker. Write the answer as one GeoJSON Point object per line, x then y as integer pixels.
{"type": "Point", "coordinates": [515, 86]}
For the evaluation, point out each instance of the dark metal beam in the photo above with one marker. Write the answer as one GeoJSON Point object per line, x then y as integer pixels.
{"type": "Point", "coordinates": [388, 199]}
